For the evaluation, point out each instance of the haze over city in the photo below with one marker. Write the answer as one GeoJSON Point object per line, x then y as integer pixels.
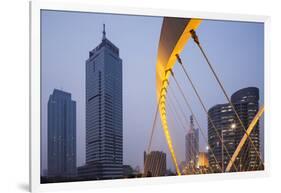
{"type": "Point", "coordinates": [235, 48]}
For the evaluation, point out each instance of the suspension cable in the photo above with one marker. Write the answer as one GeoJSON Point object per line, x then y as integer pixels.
{"type": "Point", "coordinates": [196, 140]}
{"type": "Point", "coordinates": [204, 107]}
{"type": "Point", "coordinates": [180, 106]}
{"type": "Point", "coordinates": [196, 40]}
{"type": "Point", "coordinates": [193, 115]}
{"type": "Point", "coordinates": [196, 120]}
{"type": "Point", "coordinates": [172, 107]}
{"type": "Point", "coordinates": [152, 133]}
{"type": "Point", "coordinates": [173, 123]}
{"type": "Point", "coordinates": [153, 127]}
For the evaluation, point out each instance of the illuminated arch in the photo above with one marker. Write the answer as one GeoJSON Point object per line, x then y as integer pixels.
{"type": "Point", "coordinates": [175, 33]}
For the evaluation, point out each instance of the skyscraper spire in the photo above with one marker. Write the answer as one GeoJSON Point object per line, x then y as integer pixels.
{"type": "Point", "coordinates": [103, 32]}
{"type": "Point", "coordinates": [191, 123]}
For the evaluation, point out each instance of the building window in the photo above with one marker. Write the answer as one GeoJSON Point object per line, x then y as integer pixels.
{"type": "Point", "coordinates": [94, 66]}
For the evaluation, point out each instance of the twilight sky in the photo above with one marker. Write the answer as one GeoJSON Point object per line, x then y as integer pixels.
{"type": "Point", "coordinates": [234, 48]}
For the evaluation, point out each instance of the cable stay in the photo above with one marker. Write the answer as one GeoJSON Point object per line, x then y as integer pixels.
{"type": "Point", "coordinates": [197, 42]}
{"type": "Point", "coordinates": [195, 119]}
{"type": "Point", "coordinates": [152, 132]}
{"type": "Point", "coordinates": [244, 138]}
{"type": "Point", "coordinates": [174, 96]}
{"type": "Point", "coordinates": [153, 127]}
{"type": "Point", "coordinates": [204, 107]}
{"type": "Point", "coordinates": [180, 107]}
{"type": "Point", "coordinates": [172, 107]}
{"type": "Point", "coordinates": [173, 123]}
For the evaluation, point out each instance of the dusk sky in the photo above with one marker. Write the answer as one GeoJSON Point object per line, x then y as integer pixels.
{"type": "Point", "coordinates": [234, 48]}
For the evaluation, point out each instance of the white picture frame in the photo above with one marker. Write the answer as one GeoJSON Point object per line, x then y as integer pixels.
{"type": "Point", "coordinates": [36, 6]}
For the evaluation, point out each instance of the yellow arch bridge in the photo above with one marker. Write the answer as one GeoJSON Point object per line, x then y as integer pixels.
{"type": "Point", "coordinates": [175, 34]}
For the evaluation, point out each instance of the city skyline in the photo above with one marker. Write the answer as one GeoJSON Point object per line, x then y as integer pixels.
{"type": "Point", "coordinates": [134, 157]}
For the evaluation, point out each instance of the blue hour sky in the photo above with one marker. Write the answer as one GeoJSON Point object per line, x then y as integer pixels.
{"type": "Point", "coordinates": [234, 48]}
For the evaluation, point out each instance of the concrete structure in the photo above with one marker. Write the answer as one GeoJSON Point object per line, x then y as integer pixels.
{"type": "Point", "coordinates": [104, 126]}
{"type": "Point", "coordinates": [61, 135]}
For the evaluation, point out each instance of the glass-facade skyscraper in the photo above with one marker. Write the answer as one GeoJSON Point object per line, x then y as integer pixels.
{"type": "Point", "coordinates": [104, 125]}
{"type": "Point", "coordinates": [192, 145]}
{"type": "Point", "coordinates": [246, 103]}
{"type": "Point", "coordinates": [228, 127]}
{"type": "Point", "coordinates": [61, 135]}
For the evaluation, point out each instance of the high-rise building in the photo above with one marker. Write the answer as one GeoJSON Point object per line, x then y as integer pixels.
{"type": "Point", "coordinates": [104, 126]}
{"type": "Point", "coordinates": [246, 102]}
{"type": "Point", "coordinates": [228, 131]}
{"type": "Point", "coordinates": [223, 118]}
{"type": "Point", "coordinates": [192, 145]}
{"type": "Point", "coordinates": [154, 164]}
{"type": "Point", "coordinates": [61, 135]}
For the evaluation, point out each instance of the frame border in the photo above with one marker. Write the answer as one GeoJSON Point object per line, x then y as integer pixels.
{"type": "Point", "coordinates": [35, 84]}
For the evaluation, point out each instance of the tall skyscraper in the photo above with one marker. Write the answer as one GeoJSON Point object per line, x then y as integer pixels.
{"type": "Point", "coordinates": [223, 118]}
{"type": "Point", "coordinates": [246, 104]}
{"type": "Point", "coordinates": [155, 164]}
{"type": "Point", "coordinates": [61, 135]}
{"type": "Point", "coordinates": [104, 125]}
{"type": "Point", "coordinates": [192, 145]}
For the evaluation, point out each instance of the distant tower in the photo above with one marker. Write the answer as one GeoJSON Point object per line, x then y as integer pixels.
{"type": "Point", "coordinates": [192, 145]}
{"type": "Point", "coordinates": [61, 135]}
{"type": "Point", "coordinates": [104, 110]}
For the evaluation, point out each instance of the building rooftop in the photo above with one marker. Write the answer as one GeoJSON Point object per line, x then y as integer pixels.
{"type": "Point", "coordinates": [105, 43]}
